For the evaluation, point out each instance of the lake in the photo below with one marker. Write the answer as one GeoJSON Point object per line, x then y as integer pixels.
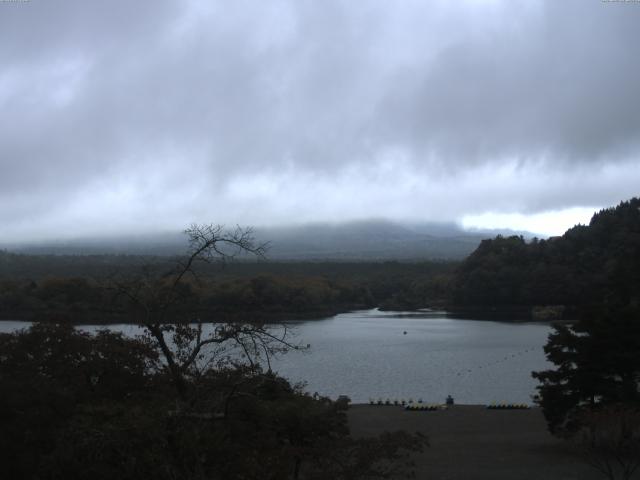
{"type": "Point", "coordinates": [420, 355]}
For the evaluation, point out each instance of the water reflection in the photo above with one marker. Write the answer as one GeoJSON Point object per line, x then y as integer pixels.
{"type": "Point", "coordinates": [368, 355]}
{"type": "Point", "coordinates": [375, 354]}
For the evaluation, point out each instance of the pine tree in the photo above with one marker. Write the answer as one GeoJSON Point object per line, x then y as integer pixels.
{"type": "Point", "coordinates": [597, 363]}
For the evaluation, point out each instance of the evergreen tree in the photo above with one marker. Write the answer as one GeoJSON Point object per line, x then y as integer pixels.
{"type": "Point", "coordinates": [597, 364]}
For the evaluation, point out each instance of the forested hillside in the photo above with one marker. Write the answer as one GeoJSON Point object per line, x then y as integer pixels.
{"type": "Point", "coordinates": [80, 288]}
{"type": "Point", "coordinates": [594, 264]}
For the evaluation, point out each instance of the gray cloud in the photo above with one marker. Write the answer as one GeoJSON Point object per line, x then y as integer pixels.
{"type": "Point", "coordinates": [116, 116]}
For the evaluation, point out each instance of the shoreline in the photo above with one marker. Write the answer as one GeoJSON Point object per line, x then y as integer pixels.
{"type": "Point", "coordinates": [275, 317]}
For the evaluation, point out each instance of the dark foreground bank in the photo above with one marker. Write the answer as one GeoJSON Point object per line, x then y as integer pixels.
{"type": "Point", "coordinates": [470, 442]}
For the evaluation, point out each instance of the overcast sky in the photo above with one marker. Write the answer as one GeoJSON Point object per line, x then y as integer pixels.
{"type": "Point", "coordinates": [120, 116]}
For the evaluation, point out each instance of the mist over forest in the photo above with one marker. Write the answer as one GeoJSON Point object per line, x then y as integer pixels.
{"type": "Point", "coordinates": [310, 240]}
{"type": "Point", "coordinates": [371, 240]}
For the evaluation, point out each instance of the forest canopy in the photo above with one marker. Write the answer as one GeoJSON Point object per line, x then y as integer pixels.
{"type": "Point", "coordinates": [585, 266]}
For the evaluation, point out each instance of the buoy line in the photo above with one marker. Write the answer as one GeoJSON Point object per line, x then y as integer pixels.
{"type": "Point", "coordinates": [508, 357]}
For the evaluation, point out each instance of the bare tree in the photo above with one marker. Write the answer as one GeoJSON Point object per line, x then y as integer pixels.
{"type": "Point", "coordinates": [610, 440]}
{"type": "Point", "coordinates": [160, 303]}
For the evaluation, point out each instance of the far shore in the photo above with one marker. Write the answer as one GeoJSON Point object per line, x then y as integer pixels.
{"type": "Point", "coordinates": [216, 317]}
{"type": "Point", "coordinates": [508, 315]}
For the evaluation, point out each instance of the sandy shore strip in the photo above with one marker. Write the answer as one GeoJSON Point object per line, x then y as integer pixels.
{"type": "Point", "coordinates": [472, 442]}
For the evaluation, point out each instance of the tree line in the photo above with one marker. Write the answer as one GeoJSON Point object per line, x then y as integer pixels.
{"type": "Point", "coordinates": [80, 289]}
{"type": "Point", "coordinates": [580, 269]}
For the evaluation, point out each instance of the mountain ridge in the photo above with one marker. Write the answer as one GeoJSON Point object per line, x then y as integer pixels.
{"type": "Point", "coordinates": [357, 240]}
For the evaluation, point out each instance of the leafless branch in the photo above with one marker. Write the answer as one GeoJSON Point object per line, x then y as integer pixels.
{"type": "Point", "coordinates": [156, 295]}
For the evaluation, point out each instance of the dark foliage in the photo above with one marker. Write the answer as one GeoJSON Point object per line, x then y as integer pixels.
{"type": "Point", "coordinates": [49, 375]}
{"type": "Point", "coordinates": [102, 407]}
{"type": "Point", "coordinates": [73, 289]}
{"type": "Point", "coordinates": [597, 364]}
{"type": "Point", "coordinates": [585, 266]}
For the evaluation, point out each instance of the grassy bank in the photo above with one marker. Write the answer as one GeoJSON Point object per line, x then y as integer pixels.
{"type": "Point", "coordinates": [471, 442]}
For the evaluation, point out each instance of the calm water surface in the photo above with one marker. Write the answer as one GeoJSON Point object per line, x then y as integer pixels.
{"type": "Point", "coordinates": [367, 354]}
